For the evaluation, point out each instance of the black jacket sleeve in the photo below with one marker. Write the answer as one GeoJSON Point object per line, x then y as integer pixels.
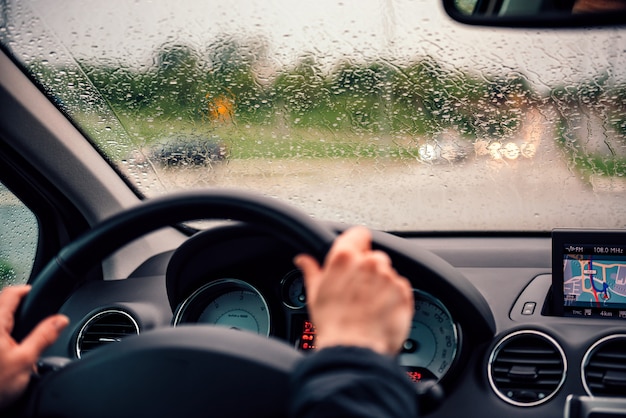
{"type": "Point", "coordinates": [350, 382]}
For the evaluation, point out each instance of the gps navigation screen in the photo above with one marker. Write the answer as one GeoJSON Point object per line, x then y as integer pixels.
{"type": "Point", "coordinates": [594, 280]}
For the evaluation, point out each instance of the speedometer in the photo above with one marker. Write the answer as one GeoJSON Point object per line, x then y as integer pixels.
{"type": "Point", "coordinates": [227, 303]}
{"type": "Point", "coordinates": [432, 345]}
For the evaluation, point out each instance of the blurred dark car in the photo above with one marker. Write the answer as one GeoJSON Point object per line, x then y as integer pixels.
{"type": "Point", "coordinates": [193, 151]}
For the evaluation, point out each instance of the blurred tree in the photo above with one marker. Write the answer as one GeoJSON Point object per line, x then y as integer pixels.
{"type": "Point", "coordinates": [364, 94]}
{"type": "Point", "coordinates": [230, 79]}
{"type": "Point", "coordinates": [303, 95]}
{"type": "Point", "coordinates": [179, 75]}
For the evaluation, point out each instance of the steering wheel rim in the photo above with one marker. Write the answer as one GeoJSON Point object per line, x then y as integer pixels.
{"type": "Point", "coordinates": [54, 284]}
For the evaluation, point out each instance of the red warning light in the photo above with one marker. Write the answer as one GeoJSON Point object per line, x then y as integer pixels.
{"type": "Point", "coordinates": [415, 377]}
{"type": "Point", "coordinates": [307, 338]}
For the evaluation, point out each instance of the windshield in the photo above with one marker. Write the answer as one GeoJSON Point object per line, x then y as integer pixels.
{"type": "Point", "coordinates": [381, 112]}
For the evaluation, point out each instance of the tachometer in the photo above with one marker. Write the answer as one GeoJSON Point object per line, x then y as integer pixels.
{"type": "Point", "coordinates": [432, 345]}
{"type": "Point", "coordinates": [228, 303]}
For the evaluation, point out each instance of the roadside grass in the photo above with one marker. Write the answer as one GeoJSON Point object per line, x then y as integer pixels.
{"type": "Point", "coordinates": [256, 140]}
{"type": "Point", "coordinates": [605, 166]}
{"type": "Point", "coordinates": [288, 140]}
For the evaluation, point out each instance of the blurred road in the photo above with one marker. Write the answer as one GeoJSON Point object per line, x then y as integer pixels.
{"type": "Point", "coordinates": [474, 194]}
{"type": "Point", "coordinates": [523, 183]}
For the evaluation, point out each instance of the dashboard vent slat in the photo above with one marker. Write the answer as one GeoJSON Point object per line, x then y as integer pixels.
{"type": "Point", "coordinates": [604, 367]}
{"type": "Point", "coordinates": [103, 328]}
{"type": "Point", "coordinates": [527, 368]}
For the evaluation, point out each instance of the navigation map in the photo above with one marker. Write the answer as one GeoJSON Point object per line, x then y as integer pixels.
{"type": "Point", "coordinates": [595, 281]}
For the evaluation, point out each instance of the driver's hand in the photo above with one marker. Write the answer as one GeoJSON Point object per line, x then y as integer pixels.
{"type": "Point", "coordinates": [357, 298]}
{"type": "Point", "coordinates": [17, 361]}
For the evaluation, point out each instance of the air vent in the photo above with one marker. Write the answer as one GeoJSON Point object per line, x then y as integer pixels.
{"type": "Point", "coordinates": [604, 367]}
{"type": "Point", "coordinates": [527, 368]}
{"type": "Point", "coordinates": [104, 328]}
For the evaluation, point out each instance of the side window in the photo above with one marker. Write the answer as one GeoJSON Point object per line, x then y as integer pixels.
{"type": "Point", "coordinates": [18, 239]}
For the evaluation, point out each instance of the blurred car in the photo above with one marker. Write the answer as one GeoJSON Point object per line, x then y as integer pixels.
{"type": "Point", "coordinates": [188, 151]}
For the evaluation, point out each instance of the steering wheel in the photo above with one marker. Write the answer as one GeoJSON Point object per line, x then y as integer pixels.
{"type": "Point", "coordinates": [159, 373]}
{"type": "Point", "coordinates": [200, 370]}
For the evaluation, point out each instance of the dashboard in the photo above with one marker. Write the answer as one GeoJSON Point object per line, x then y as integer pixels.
{"type": "Point", "coordinates": [238, 295]}
{"type": "Point", "coordinates": [485, 332]}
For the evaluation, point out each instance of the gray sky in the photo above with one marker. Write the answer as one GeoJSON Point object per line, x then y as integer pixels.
{"type": "Point", "coordinates": [402, 31]}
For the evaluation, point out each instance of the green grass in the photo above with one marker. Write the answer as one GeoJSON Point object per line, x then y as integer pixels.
{"type": "Point", "coordinates": [266, 142]}
{"type": "Point", "coordinates": [605, 166]}
{"type": "Point", "coordinates": [254, 140]}
{"type": "Point", "coordinates": [289, 140]}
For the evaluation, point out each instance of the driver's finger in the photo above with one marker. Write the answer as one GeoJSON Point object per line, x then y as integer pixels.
{"type": "Point", "coordinates": [10, 298]}
{"type": "Point", "coordinates": [357, 238]}
{"type": "Point", "coordinates": [311, 272]}
{"type": "Point", "coordinates": [43, 336]}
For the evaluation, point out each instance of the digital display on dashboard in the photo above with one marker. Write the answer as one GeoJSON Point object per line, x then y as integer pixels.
{"type": "Point", "coordinates": [589, 273]}
{"type": "Point", "coordinates": [307, 336]}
